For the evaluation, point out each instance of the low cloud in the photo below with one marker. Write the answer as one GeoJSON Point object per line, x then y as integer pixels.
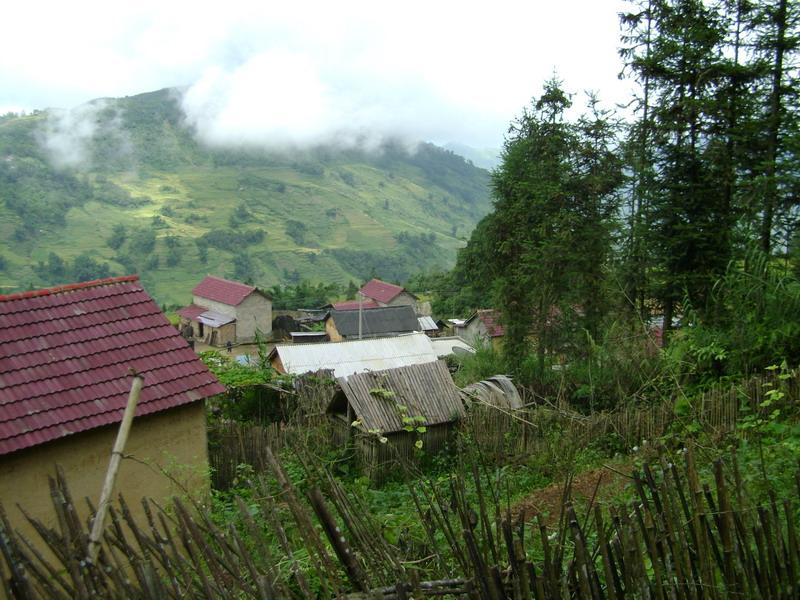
{"type": "Point", "coordinates": [281, 100]}
{"type": "Point", "coordinates": [68, 136]}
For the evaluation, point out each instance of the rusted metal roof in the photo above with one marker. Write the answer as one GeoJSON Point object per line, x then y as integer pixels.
{"type": "Point", "coordinates": [355, 305]}
{"type": "Point", "coordinates": [65, 355]}
{"type": "Point", "coordinates": [381, 291]}
{"type": "Point", "coordinates": [425, 390]}
{"type": "Point", "coordinates": [491, 320]}
{"type": "Point", "coordinates": [221, 290]}
{"type": "Point", "coordinates": [497, 391]}
{"type": "Point", "coordinates": [355, 356]}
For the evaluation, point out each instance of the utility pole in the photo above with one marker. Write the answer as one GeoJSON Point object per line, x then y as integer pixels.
{"type": "Point", "coordinates": [360, 311]}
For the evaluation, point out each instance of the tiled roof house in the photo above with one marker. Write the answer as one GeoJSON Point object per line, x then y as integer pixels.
{"type": "Point", "coordinates": [483, 324]}
{"type": "Point", "coordinates": [66, 354]}
{"type": "Point", "coordinates": [387, 294]}
{"type": "Point", "coordinates": [225, 311]}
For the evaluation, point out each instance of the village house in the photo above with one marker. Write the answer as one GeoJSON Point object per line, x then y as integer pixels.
{"type": "Point", "coordinates": [387, 294]}
{"type": "Point", "coordinates": [392, 413]}
{"type": "Point", "coordinates": [376, 322]}
{"type": "Point", "coordinates": [66, 355]}
{"type": "Point", "coordinates": [483, 326]}
{"type": "Point", "coordinates": [353, 356]}
{"type": "Point", "coordinates": [224, 311]}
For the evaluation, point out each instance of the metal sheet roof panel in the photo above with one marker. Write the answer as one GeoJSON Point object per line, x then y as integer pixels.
{"type": "Point", "coordinates": [356, 356]}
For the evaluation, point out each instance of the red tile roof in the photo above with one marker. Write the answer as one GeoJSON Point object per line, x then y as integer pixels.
{"type": "Point", "coordinates": [65, 354]}
{"type": "Point", "coordinates": [491, 320]}
{"type": "Point", "coordinates": [353, 305]}
{"type": "Point", "coordinates": [381, 291]}
{"type": "Point", "coordinates": [221, 290]}
{"type": "Point", "coordinates": [192, 311]}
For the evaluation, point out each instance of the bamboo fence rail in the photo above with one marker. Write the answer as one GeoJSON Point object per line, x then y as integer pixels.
{"type": "Point", "coordinates": [682, 536]}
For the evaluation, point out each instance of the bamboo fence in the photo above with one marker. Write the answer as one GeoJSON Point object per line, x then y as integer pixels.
{"type": "Point", "coordinates": [680, 537]}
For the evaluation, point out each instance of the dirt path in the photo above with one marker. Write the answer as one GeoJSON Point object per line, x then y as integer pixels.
{"type": "Point", "coordinates": [547, 501]}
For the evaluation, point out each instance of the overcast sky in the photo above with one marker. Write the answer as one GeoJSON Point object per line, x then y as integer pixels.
{"type": "Point", "coordinates": [298, 72]}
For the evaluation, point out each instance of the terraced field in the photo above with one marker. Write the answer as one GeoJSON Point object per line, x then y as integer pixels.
{"type": "Point", "coordinates": [324, 216]}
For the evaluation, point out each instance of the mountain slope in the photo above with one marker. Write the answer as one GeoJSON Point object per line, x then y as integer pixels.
{"type": "Point", "coordinates": [134, 191]}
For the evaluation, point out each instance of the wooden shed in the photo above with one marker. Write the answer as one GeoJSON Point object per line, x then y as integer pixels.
{"type": "Point", "coordinates": [390, 414]}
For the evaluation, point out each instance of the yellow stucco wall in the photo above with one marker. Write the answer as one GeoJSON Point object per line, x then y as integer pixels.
{"type": "Point", "coordinates": [333, 333]}
{"type": "Point", "coordinates": [173, 440]}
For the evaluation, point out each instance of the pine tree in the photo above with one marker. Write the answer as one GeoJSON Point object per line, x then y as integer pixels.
{"type": "Point", "coordinates": [555, 197]}
{"type": "Point", "coordinates": [689, 211]}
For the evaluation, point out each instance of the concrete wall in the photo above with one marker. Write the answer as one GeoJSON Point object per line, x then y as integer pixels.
{"type": "Point", "coordinates": [225, 309]}
{"type": "Point", "coordinates": [476, 332]}
{"type": "Point", "coordinates": [255, 312]}
{"type": "Point", "coordinates": [173, 440]}
{"type": "Point", "coordinates": [402, 299]}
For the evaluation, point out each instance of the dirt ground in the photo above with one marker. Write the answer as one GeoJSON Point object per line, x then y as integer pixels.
{"type": "Point", "coordinates": [608, 480]}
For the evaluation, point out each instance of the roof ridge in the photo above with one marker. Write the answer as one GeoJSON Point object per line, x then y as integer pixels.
{"type": "Point", "coordinates": [68, 288]}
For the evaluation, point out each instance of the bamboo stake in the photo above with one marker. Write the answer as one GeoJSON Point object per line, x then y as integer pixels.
{"type": "Point", "coordinates": [113, 466]}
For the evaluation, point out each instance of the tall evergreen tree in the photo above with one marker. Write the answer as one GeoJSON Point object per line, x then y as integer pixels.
{"type": "Point", "coordinates": [554, 200]}
{"type": "Point", "coordinates": [777, 48]}
{"type": "Point", "coordinates": [691, 220]}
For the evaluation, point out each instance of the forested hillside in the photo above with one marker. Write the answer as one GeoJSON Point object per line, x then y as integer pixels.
{"type": "Point", "coordinates": [123, 185]}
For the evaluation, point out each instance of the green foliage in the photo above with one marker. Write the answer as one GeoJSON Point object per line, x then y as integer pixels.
{"type": "Point", "coordinates": [251, 389]}
{"type": "Point", "coordinates": [240, 216]}
{"type": "Point", "coordinates": [484, 363]}
{"type": "Point", "coordinates": [142, 241]}
{"type": "Point", "coordinates": [119, 234]}
{"type": "Point", "coordinates": [297, 231]}
{"type": "Point", "coordinates": [754, 320]}
{"type": "Point", "coordinates": [230, 240]}
{"type": "Point", "coordinates": [304, 295]}
{"type": "Point", "coordinates": [108, 192]}
{"type": "Point", "coordinates": [86, 268]}
{"type": "Point", "coordinates": [244, 268]}
{"type": "Point", "coordinates": [83, 268]}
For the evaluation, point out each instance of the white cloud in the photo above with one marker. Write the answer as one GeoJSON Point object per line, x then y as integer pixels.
{"type": "Point", "coordinates": [67, 133]}
{"type": "Point", "coordinates": [286, 73]}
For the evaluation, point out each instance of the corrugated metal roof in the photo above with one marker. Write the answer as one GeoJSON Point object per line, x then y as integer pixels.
{"type": "Point", "coordinates": [65, 354]}
{"type": "Point", "coordinates": [381, 291]}
{"type": "Point", "coordinates": [356, 356]}
{"type": "Point", "coordinates": [426, 390]}
{"type": "Point", "coordinates": [445, 346]}
{"type": "Point", "coordinates": [498, 391]}
{"type": "Point", "coordinates": [427, 324]}
{"type": "Point", "coordinates": [221, 290]}
{"type": "Point", "coordinates": [376, 321]}
{"type": "Point", "coordinates": [214, 319]}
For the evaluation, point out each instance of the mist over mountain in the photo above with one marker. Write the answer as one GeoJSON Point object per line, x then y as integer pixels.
{"type": "Point", "coordinates": [141, 184]}
{"type": "Point", "coordinates": [485, 158]}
